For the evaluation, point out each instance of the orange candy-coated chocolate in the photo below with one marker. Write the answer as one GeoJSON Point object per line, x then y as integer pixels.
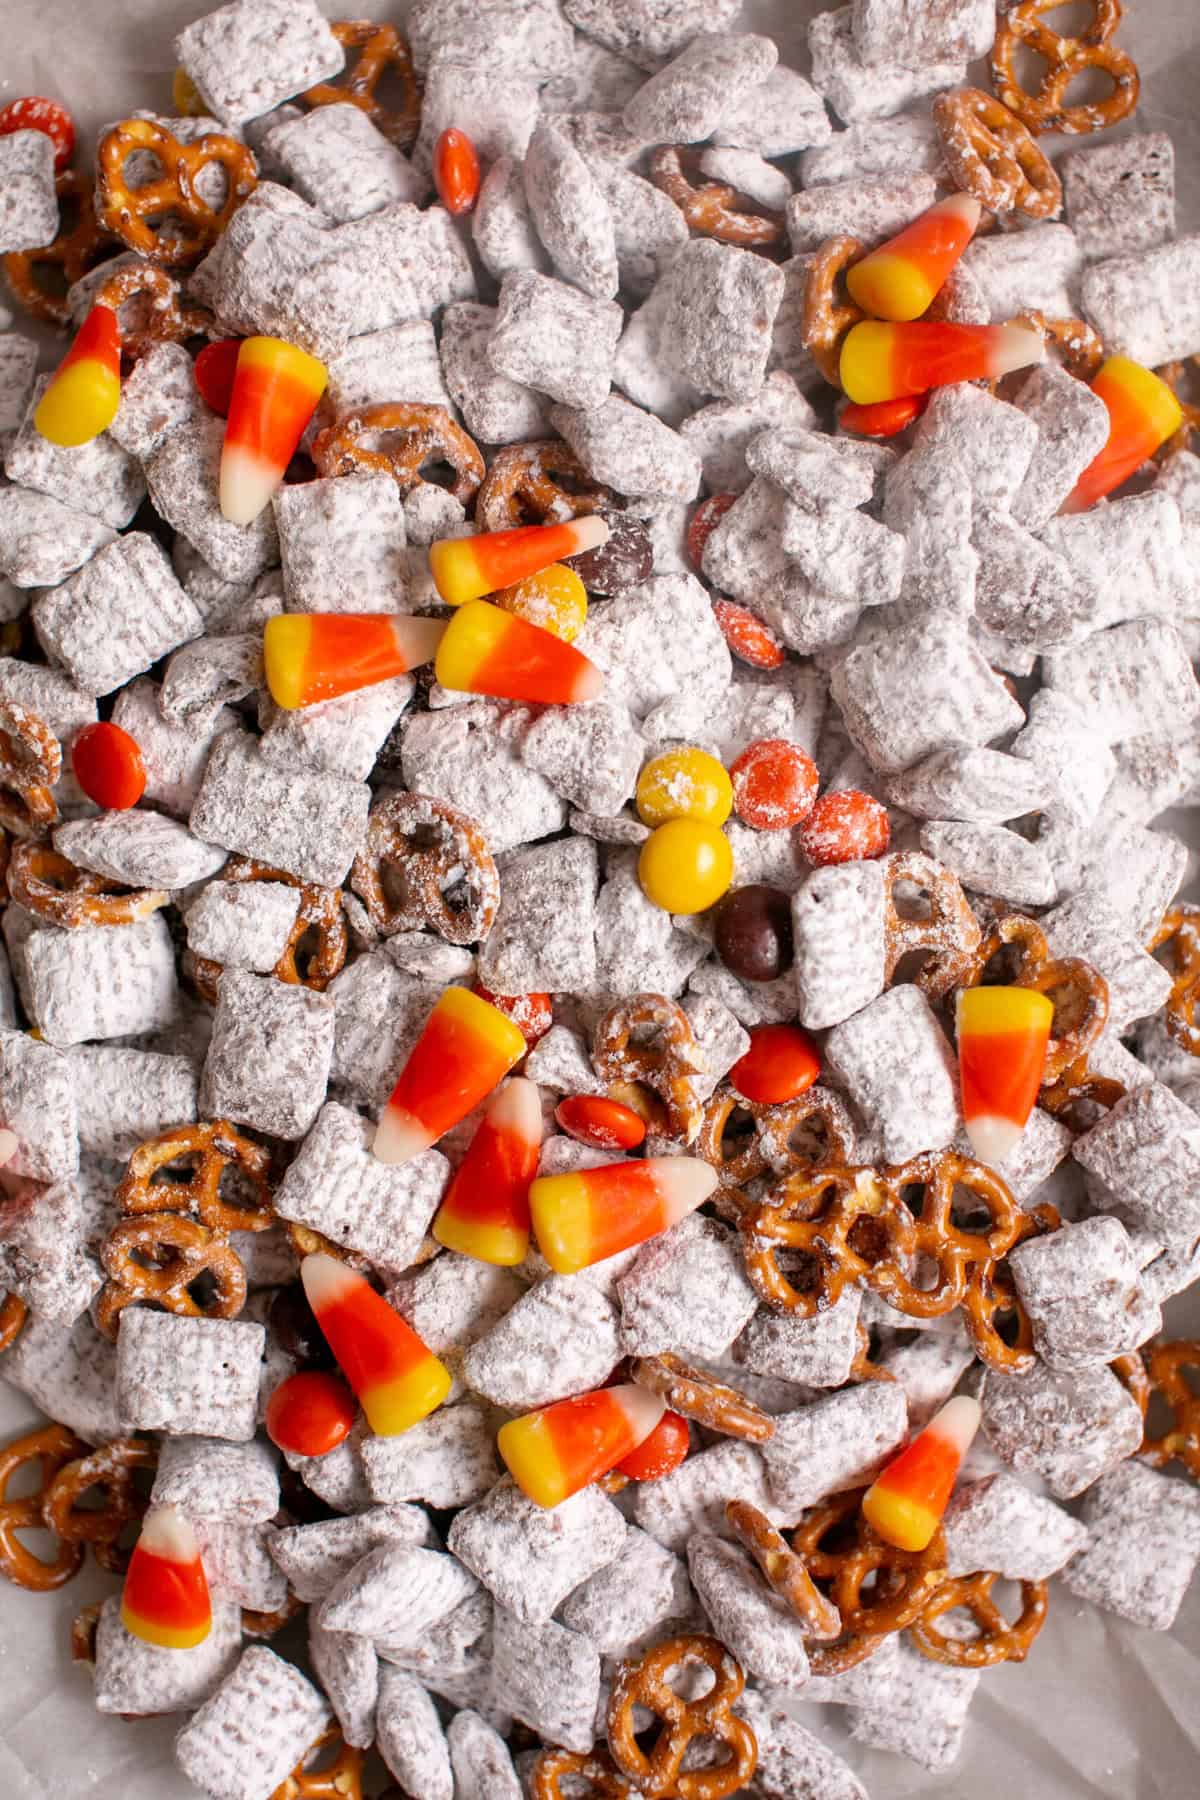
{"type": "Point", "coordinates": [702, 524]}
{"type": "Point", "coordinates": [108, 766]}
{"type": "Point", "coordinates": [456, 171]}
{"type": "Point", "coordinates": [465, 1050]}
{"type": "Point", "coordinates": [885, 419]}
{"type": "Point", "coordinates": [33, 112]}
{"type": "Point", "coordinates": [554, 1452]}
{"type": "Point", "coordinates": [661, 1453]}
{"type": "Point", "coordinates": [781, 1064]}
{"type": "Point", "coordinates": [774, 784]}
{"type": "Point", "coordinates": [166, 1601]}
{"type": "Point", "coordinates": [844, 827]}
{"type": "Point", "coordinates": [750, 640]}
{"type": "Point", "coordinates": [397, 1379]}
{"type": "Point", "coordinates": [906, 1502]}
{"type": "Point", "coordinates": [532, 1014]}
{"type": "Point", "coordinates": [485, 1210]}
{"type": "Point", "coordinates": [581, 1218]}
{"type": "Point", "coordinates": [214, 370]}
{"type": "Point", "coordinates": [310, 1413]}
{"type": "Point", "coordinates": [311, 657]}
{"type": "Point", "coordinates": [605, 1124]}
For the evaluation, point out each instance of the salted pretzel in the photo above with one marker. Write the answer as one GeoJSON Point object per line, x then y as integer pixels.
{"type": "Point", "coordinates": [864, 1367]}
{"type": "Point", "coordinates": [1066, 58]}
{"type": "Point", "coordinates": [153, 1180]}
{"type": "Point", "coordinates": [997, 1641]}
{"type": "Point", "coordinates": [813, 1131]}
{"type": "Point", "coordinates": [110, 1470]}
{"type": "Point", "coordinates": [1079, 992]}
{"type": "Point", "coordinates": [160, 318]}
{"type": "Point", "coordinates": [991, 155]}
{"type": "Point", "coordinates": [829, 312]}
{"type": "Point", "coordinates": [1177, 376]}
{"type": "Point", "coordinates": [1000, 1329]}
{"type": "Point", "coordinates": [83, 1633]}
{"type": "Point", "coordinates": [713, 209]}
{"type": "Point", "coordinates": [595, 1767]}
{"type": "Point", "coordinates": [1165, 1365]}
{"type": "Point", "coordinates": [422, 434]}
{"type": "Point", "coordinates": [700, 1396]}
{"type": "Point", "coordinates": [1080, 346]}
{"type": "Point", "coordinates": [1130, 1371]}
{"type": "Point", "coordinates": [648, 1041]}
{"type": "Point", "coordinates": [425, 863]}
{"type": "Point", "coordinates": [320, 921]}
{"type": "Point", "coordinates": [30, 765]}
{"type": "Point", "coordinates": [338, 1775]}
{"type": "Point", "coordinates": [524, 486]}
{"type": "Point", "coordinates": [380, 48]}
{"type": "Point", "coordinates": [186, 225]}
{"type": "Point", "coordinates": [876, 1587]}
{"type": "Point", "coordinates": [50, 885]}
{"type": "Point", "coordinates": [784, 1572]}
{"type": "Point", "coordinates": [941, 924]}
{"type": "Point", "coordinates": [659, 1772]}
{"type": "Point", "coordinates": [13, 1314]}
{"type": "Point", "coordinates": [175, 1252]}
{"type": "Point", "coordinates": [40, 279]}
{"type": "Point", "coordinates": [1179, 931]}
{"type": "Point", "coordinates": [262, 1625]}
{"type": "Point", "coordinates": [51, 1448]}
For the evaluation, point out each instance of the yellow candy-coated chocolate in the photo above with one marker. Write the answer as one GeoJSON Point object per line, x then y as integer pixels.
{"type": "Point", "coordinates": [554, 598]}
{"type": "Point", "coordinates": [685, 866]}
{"type": "Point", "coordinates": [185, 96]}
{"type": "Point", "coordinates": [684, 784]}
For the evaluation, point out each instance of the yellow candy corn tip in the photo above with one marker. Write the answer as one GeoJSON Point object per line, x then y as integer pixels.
{"type": "Point", "coordinates": [277, 354]}
{"type": "Point", "coordinates": [1150, 392]}
{"type": "Point", "coordinates": [469, 1009]}
{"type": "Point", "coordinates": [79, 404]}
{"type": "Point", "coordinates": [989, 1010]}
{"type": "Point", "coordinates": [899, 1521]}
{"type": "Point", "coordinates": [528, 1452]}
{"type": "Point", "coordinates": [455, 570]}
{"type": "Point", "coordinates": [396, 1406]}
{"type": "Point", "coordinates": [502, 1245]}
{"type": "Point", "coordinates": [286, 640]}
{"type": "Point", "coordinates": [562, 1222]}
{"type": "Point", "coordinates": [164, 1637]}
{"type": "Point", "coordinates": [865, 365]}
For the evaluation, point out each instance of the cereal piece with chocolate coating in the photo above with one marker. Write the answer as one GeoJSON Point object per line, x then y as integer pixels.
{"type": "Point", "coordinates": [686, 100]}
{"type": "Point", "coordinates": [686, 1293]}
{"type": "Point", "coordinates": [347, 1667]}
{"type": "Point", "coordinates": [44, 1256]}
{"type": "Point", "coordinates": [847, 553]}
{"type": "Point", "coordinates": [531, 1558]}
{"type": "Point", "coordinates": [1142, 1548]}
{"type": "Point", "coordinates": [395, 1594]}
{"type": "Point", "coordinates": [639, 949]}
{"type": "Point", "coordinates": [1134, 678]}
{"type": "Point", "coordinates": [775, 117]}
{"type": "Point", "coordinates": [410, 1738]}
{"type": "Point", "coordinates": [188, 1377]}
{"type": "Point", "coordinates": [336, 1187]}
{"type": "Point", "coordinates": [138, 1679]}
{"type": "Point", "coordinates": [1121, 195]}
{"type": "Point", "coordinates": [657, 642]}
{"type": "Point", "coordinates": [571, 213]}
{"type": "Point", "coordinates": [983, 787]}
{"type": "Point", "coordinates": [1146, 305]}
{"type": "Point", "coordinates": [1073, 428]}
{"type": "Point", "coordinates": [544, 933]}
{"type": "Point", "coordinates": [990, 441]}
{"type": "Point", "coordinates": [254, 1730]}
{"type": "Point", "coordinates": [1031, 591]}
{"type": "Point", "coordinates": [1089, 925]}
{"type": "Point", "coordinates": [1063, 741]}
{"type": "Point", "coordinates": [643, 370]}
{"type": "Point", "coordinates": [337, 737]}
{"type": "Point", "coordinates": [867, 210]}
{"type": "Point", "coordinates": [42, 541]}
{"type": "Point", "coordinates": [813, 1352]}
{"type": "Point", "coordinates": [1144, 1156]}
{"type": "Point", "coordinates": [548, 1677]}
{"type": "Point", "coordinates": [207, 1478]}
{"type": "Point", "coordinates": [998, 1523]}
{"type": "Point", "coordinates": [928, 1369]}
{"type": "Point", "coordinates": [988, 859]}
{"type": "Point", "coordinates": [905, 145]}
{"type": "Point", "coordinates": [559, 1061]}
{"type": "Point", "coordinates": [494, 409]}
{"type": "Point", "coordinates": [28, 203]}
{"type": "Point", "coordinates": [922, 1714]}
{"type": "Point", "coordinates": [183, 477]}
{"type": "Point", "coordinates": [311, 825]}
{"type": "Point", "coordinates": [174, 755]}
{"type": "Point", "coordinates": [158, 396]}
{"type": "Point", "coordinates": [448, 1459]}
{"type": "Point", "coordinates": [337, 1478]}
{"type": "Point", "coordinates": [208, 673]}
{"type": "Point", "coordinates": [527, 38]}
{"type": "Point", "coordinates": [647, 31]}
{"type": "Point", "coordinates": [277, 269]}
{"type": "Point", "coordinates": [251, 55]}
{"type": "Point", "coordinates": [793, 1761]}
{"type": "Point", "coordinates": [819, 473]}
{"type": "Point", "coordinates": [856, 90]}
{"type": "Point", "coordinates": [138, 849]}
{"type": "Point", "coordinates": [1067, 1429]}
{"type": "Point", "coordinates": [315, 1557]}
{"type": "Point", "coordinates": [268, 1063]}
{"type": "Point", "coordinates": [126, 1096]}
{"type": "Point", "coordinates": [452, 1302]}
{"type": "Point", "coordinates": [893, 1060]}
{"type": "Point", "coordinates": [38, 1104]}
{"type": "Point", "coordinates": [379, 1012]}
{"type": "Point", "coordinates": [757, 1626]}
{"type": "Point", "coordinates": [1079, 1286]}
{"type": "Point", "coordinates": [728, 433]}
{"type": "Point", "coordinates": [1019, 270]}
{"type": "Point", "coordinates": [238, 1566]}
{"type": "Point", "coordinates": [896, 30]}
{"type": "Point", "coordinates": [243, 924]}
{"type": "Point", "coordinates": [692, 1498]}
{"type": "Point", "coordinates": [589, 754]}
{"type": "Point", "coordinates": [719, 304]}
{"type": "Point", "coordinates": [553, 338]}
{"type": "Point", "coordinates": [481, 1760]}
{"type": "Point", "coordinates": [636, 1593]}
{"type": "Point", "coordinates": [629, 449]}
{"type": "Point", "coordinates": [341, 541]}
{"type": "Point", "coordinates": [104, 981]}
{"type": "Point", "coordinates": [120, 613]}
{"type": "Point", "coordinates": [502, 225]}
{"type": "Point", "coordinates": [560, 1338]}
{"type": "Point", "coordinates": [836, 1442]}
{"type": "Point", "coordinates": [338, 160]}
{"type": "Point", "coordinates": [648, 227]}
{"type": "Point", "coordinates": [468, 755]}
{"type": "Point", "coordinates": [502, 114]}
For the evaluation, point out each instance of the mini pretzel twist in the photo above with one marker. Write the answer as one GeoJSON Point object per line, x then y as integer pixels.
{"type": "Point", "coordinates": [596, 1767]}
{"type": "Point", "coordinates": [1180, 932]}
{"type": "Point", "coordinates": [829, 313]}
{"type": "Point", "coordinates": [423, 434]}
{"type": "Point", "coordinates": [187, 225]}
{"type": "Point", "coordinates": [1079, 992]}
{"type": "Point", "coordinates": [51, 1448]}
{"type": "Point", "coordinates": [320, 917]}
{"type": "Point", "coordinates": [111, 1470]}
{"type": "Point", "coordinates": [998, 1641]}
{"type": "Point", "coordinates": [152, 1184]}
{"type": "Point", "coordinates": [945, 926]}
{"type": "Point", "coordinates": [524, 486]}
{"type": "Point", "coordinates": [659, 1773]}
{"type": "Point", "coordinates": [50, 885]}
{"type": "Point", "coordinates": [770, 1147]}
{"type": "Point", "coordinates": [876, 1587]}
{"type": "Point", "coordinates": [863, 1368]}
{"type": "Point", "coordinates": [265, 1624]}
{"type": "Point", "coordinates": [161, 318]}
{"type": "Point", "coordinates": [30, 765]}
{"type": "Point", "coordinates": [1066, 59]}
{"type": "Point", "coordinates": [380, 48]}
{"type": "Point", "coordinates": [13, 1314]}
{"type": "Point", "coordinates": [700, 1396]}
{"type": "Point", "coordinates": [1130, 1371]}
{"type": "Point", "coordinates": [1165, 1366]}
{"type": "Point", "coordinates": [338, 1778]}
{"type": "Point", "coordinates": [713, 209]}
{"type": "Point", "coordinates": [648, 1040]}
{"type": "Point", "coordinates": [41, 279]}
{"type": "Point", "coordinates": [991, 1300]}
{"type": "Point", "coordinates": [426, 863]}
{"type": "Point", "coordinates": [784, 1572]}
{"type": "Point", "coordinates": [177, 1252]}
{"type": "Point", "coordinates": [83, 1633]}
{"type": "Point", "coordinates": [991, 155]}
{"type": "Point", "coordinates": [1081, 346]}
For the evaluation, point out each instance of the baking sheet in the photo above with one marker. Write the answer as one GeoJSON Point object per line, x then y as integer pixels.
{"type": "Point", "coordinates": [1100, 1709]}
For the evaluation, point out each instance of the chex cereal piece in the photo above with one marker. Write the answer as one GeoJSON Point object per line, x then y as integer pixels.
{"type": "Point", "coordinates": [990, 860]}
{"type": "Point", "coordinates": [316, 1557]}
{"type": "Point", "coordinates": [124, 1097]}
{"type": "Point", "coordinates": [395, 1594]}
{"type": "Point", "coordinates": [571, 213]}
{"type": "Point", "coordinates": [404, 263]}
{"type": "Point", "coordinates": [894, 1062]}
{"type": "Point", "coordinates": [820, 473]}
{"type": "Point", "coordinates": [982, 787]}
{"type": "Point", "coordinates": [551, 337]}
{"type": "Point", "coordinates": [448, 1459]}
{"type": "Point", "coordinates": [1032, 592]}
{"type": "Point", "coordinates": [268, 1063]}
{"type": "Point", "coordinates": [137, 1679]}
{"type": "Point", "coordinates": [776, 116]}
{"type": "Point", "coordinates": [410, 1737]}
{"type": "Point", "coordinates": [182, 474]}
{"type": "Point", "coordinates": [1146, 305]}
{"type": "Point", "coordinates": [222, 604]}
{"type": "Point", "coordinates": [989, 440]}
{"type": "Point", "coordinates": [494, 408]}
{"type": "Point", "coordinates": [908, 144]}
{"type": "Point", "coordinates": [502, 226]}
{"type": "Point", "coordinates": [590, 755]}
{"type": "Point", "coordinates": [560, 1338]}
{"type": "Point", "coordinates": [630, 450]}
{"type": "Point", "coordinates": [634, 1595]}
{"type": "Point", "coordinates": [42, 541]}
{"type": "Point", "coordinates": [793, 1761]}
{"type": "Point", "coordinates": [1073, 428]}
{"type": "Point", "coordinates": [238, 1565]}
{"type": "Point", "coordinates": [687, 99]}
{"type": "Point", "coordinates": [69, 1372]}
{"type": "Point", "coordinates": [43, 1256]}
{"type": "Point", "coordinates": [1079, 1286]}
{"type": "Point", "coordinates": [1145, 530]}
{"type": "Point", "coordinates": [337, 737]}
{"type": "Point", "coordinates": [687, 1292]}
{"type": "Point", "coordinates": [1066, 1429]}
{"type": "Point", "coordinates": [120, 613]}
{"type": "Point", "coordinates": [98, 477]}
{"type": "Point", "coordinates": [529, 38]}
{"type": "Point", "coordinates": [254, 1730]}
{"type": "Point", "coordinates": [559, 1061]}
{"type": "Point", "coordinates": [816, 1352]}
{"type": "Point", "coordinates": [1143, 1155]}
{"type": "Point", "coordinates": [890, 31]}
{"type": "Point", "coordinates": [468, 756]}
{"type": "Point", "coordinates": [1043, 1146]}
{"type": "Point", "coordinates": [759, 1628]}
{"type": "Point", "coordinates": [1089, 925]}
{"type": "Point", "coordinates": [858, 91]}
{"type": "Point", "coordinates": [548, 1677]}
{"type": "Point", "coordinates": [335, 1186]}
{"type": "Point", "coordinates": [102, 982]}
{"type": "Point", "coordinates": [249, 56]}
{"type": "Point", "coordinates": [481, 1761]}
{"type": "Point", "coordinates": [1121, 196]}
{"type": "Point", "coordinates": [1142, 1548]}
{"type": "Point", "coordinates": [311, 825]}
{"type": "Point", "coordinates": [530, 1558]}
{"type": "Point", "coordinates": [836, 1442]}
{"type": "Point", "coordinates": [158, 396]}
{"type": "Point", "coordinates": [277, 269]}
{"type": "Point", "coordinates": [642, 371]}
{"type": "Point", "coordinates": [862, 1685]}
{"type": "Point", "coordinates": [346, 1666]}
{"type": "Point", "coordinates": [341, 163]}
{"type": "Point", "coordinates": [28, 203]}
{"type": "Point", "coordinates": [867, 210]}
{"type": "Point", "coordinates": [692, 1498]}
{"type": "Point", "coordinates": [206, 1478]}
{"type": "Point", "coordinates": [543, 936]}
{"type": "Point", "coordinates": [139, 849]}
{"type": "Point", "coordinates": [745, 558]}
{"type": "Point", "coordinates": [1063, 739]}
{"type": "Point", "coordinates": [928, 1369]}
{"type": "Point", "coordinates": [998, 1523]}
{"type": "Point", "coordinates": [657, 642]}
{"type": "Point", "coordinates": [717, 306]}
{"type": "Point", "coordinates": [639, 949]}
{"type": "Point", "coordinates": [341, 539]}
{"type": "Point", "coordinates": [243, 924]}
{"type": "Point", "coordinates": [646, 31]}
{"type": "Point", "coordinates": [923, 1712]}
{"type": "Point", "coordinates": [379, 1013]}
{"type": "Point", "coordinates": [38, 1104]}
{"type": "Point", "coordinates": [845, 553]}
{"type": "Point", "coordinates": [502, 114]}
{"type": "Point", "coordinates": [374, 365]}
{"type": "Point", "coordinates": [724, 432]}
{"type": "Point", "coordinates": [337, 1478]}
{"type": "Point", "coordinates": [452, 1302]}
{"type": "Point", "coordinates": [1036, 268]}
{"type": "Point", "coordinates": [455, 1649]}
{"type": "Point", "coordinates": [648, 227]}
{"type": "Point", "coordinates": [1136, 872]}
{"type": "Point", "coordinates": [208, 673]}
{"type": "Point", "coordinates": [188, 1377]}
{"type": "Point", "coordinates": [174, 755]}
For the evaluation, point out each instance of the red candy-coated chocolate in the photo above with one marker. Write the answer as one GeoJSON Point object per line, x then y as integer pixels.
{"type": "Point", "coordinates": [661, 1453]}
{"type": "Point", "coordinates": [109, 767]}
{"type": "Point", "coordinates": [883, 418]}
{"type": "Point", "coordinates": [311, 1413]}
{"type": "Point", "coordinates": [749, 639]}
{"type": "Point", "coordinates": [214, 371]}
{"type": "Point", "coordinates": [845, 827]}
{"type": "Point", "coordinates": [34, 113]}
{"type": "Point", "coordinates": [532, 1014]}
{"type": "Point", "coordinates": [781, 1063]}
{"type": "Point", "coordinates": [456, 171]}
{"type": "Point", "coordinates": [706, 516]}
{"type": "Point", "coordinates": [592, 1119]}
{"type": "Point", "coordinates": [774, 784]}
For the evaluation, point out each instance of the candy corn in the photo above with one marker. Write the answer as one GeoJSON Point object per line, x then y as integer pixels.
{"type": "Point", "coordinates": [467, 568]}
{"type": "Point", "coordinates": [554, 1452]}
{"type": "Point", "coordinates": [883, 361]}
{"type": "Point", "coordinates": [904, 1506]}
{"type": "Point", "coordinates": [398, 1381]}
{"type": "Point", "coordinates": [485, 1210]}
{"type": "Point", "coordinates": [580, 1219]}
{"type": "Point", "coordinates": [166, 1600]}
{"type": "Point", "coordinates": [1002, 1037]}
{"type": "Point", "coordinates": [465, 1050]}
{"type": "Point", "coordinates": [1143, 412]}
{"type": "Point", "coordinates": [316, 656]}
{"type": "Point", "coordinates": [900, 279]}
{"type": "Point", "coordinates": [85, 392]}
{"type": "Point", "coordinates": [275, 392]}
{"type": "Point", "coordinates": [489, 651]}
{"type": "Point", "coordinates": [886, 419]}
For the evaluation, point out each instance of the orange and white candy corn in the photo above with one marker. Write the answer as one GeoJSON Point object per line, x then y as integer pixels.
{"type": "Point", "coordinates": [397, 1379]}
{"type": "Point", "coordinates": [883, 361]}
{"type": "Point", "coordinates": [1002, 1038]}
{"type": "Point", "coordinates": [1143, 413]}
{"type": "Point", "coordinates": [317, 656]}
{"type": "Point", "coordinates": [85, 390]}
{"type": "Point", "coordinates": [905, 1504]}
{"type": "Point", "coordinates": [554, 1452]}
{"type": "Point", "coordinates": [489, 651]}
{"type": "Point", "coordinates": [276, 387]}
{"type": "Point", "coordinates": [485, 1210]}
{"type": "Point", "coordinates": [465, 1050]}
{"type": "Point", "coordinates": [468, 568]}
{"type": "Point", "coordinates": [166, 1600]}
{"type": "Point", "coordinates": [900, 279]}
{"type": "Point", "coordinates": [580, 1219]}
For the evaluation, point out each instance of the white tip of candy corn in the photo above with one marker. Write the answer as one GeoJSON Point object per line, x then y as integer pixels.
{"type": "Point", "coordinates": [517, 1108]}
{"type": "Point", "coordinates": [642, 1408]}
{"type": "Point", "coordinates": [247, 483]}
{"type": "Point", "coordinates": [684, 1183]}
{"type": "Point", "coordinates": [417, 639]}
{"type": "Point", "coordinates": [325, 1280]}
{"type": "Point", "coordinates": [993, 1138]}
{"type": "Point", "coordinates": [8, 1145]}
{"type": "Point", "coordinates": [957, 1423]}
{"type": "Point", "coordinates": [589, 532]}
{"type": "Point", "coordinates": [1016, 347]}
{"type": "Point", "coordinates": [166, 1533]}
{"type": "Point", "coordinates": [589, 684]}
{"type": "Point", "coordinates": [962, 206]}
{"type": "Point", "coordinates": [399, 1136]}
